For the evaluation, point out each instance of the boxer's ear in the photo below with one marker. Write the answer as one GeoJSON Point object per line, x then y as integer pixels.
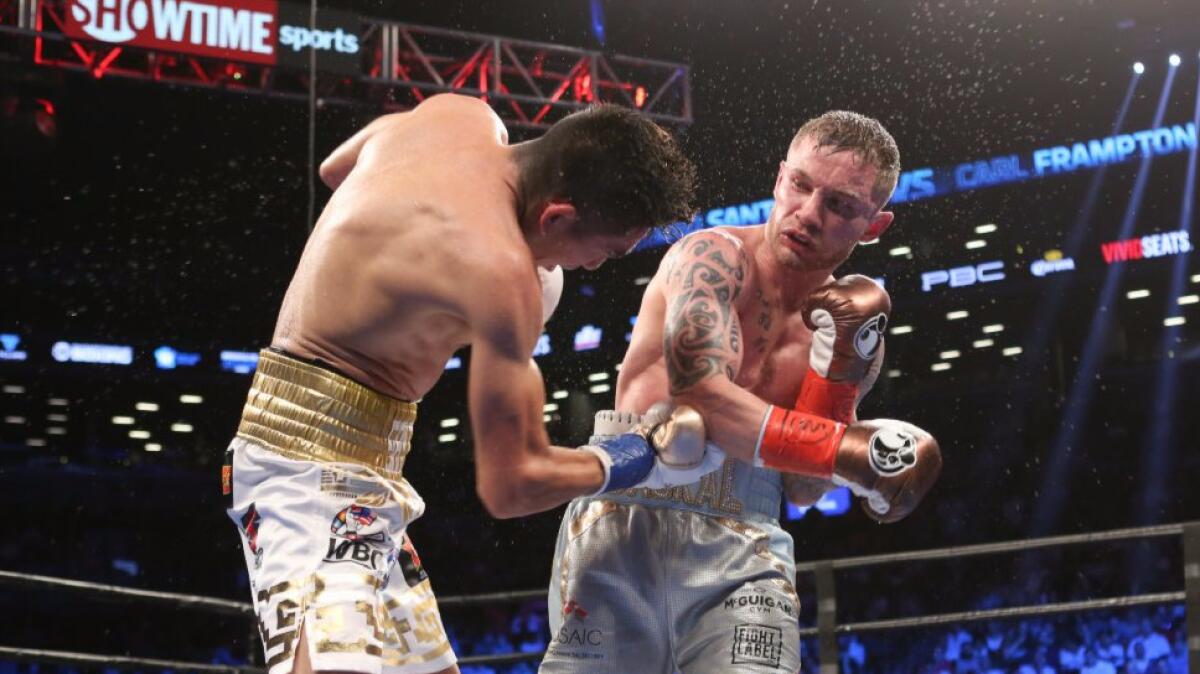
{"type": "Point", "coordinates": [879, 225]}
{"type": "Point", "coordinates": [556, 216]}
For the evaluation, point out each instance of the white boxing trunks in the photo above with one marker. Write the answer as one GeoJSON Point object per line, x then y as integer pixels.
{"type": "Point", "coordinates": [315, 487]}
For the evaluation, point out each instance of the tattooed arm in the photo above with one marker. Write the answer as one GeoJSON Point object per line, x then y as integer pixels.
{"type": "Point", "coordinates": [702, 340]}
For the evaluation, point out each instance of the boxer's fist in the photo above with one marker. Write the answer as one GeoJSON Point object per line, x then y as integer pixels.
{"type": "Point", "coordinates": [672, 437]}
{"type": "Point", "coordinates": [677, 434]}
{"type": "Point", "coordinates": [890, 464]}
{"type": "Point", "coordinates": [847, 319]}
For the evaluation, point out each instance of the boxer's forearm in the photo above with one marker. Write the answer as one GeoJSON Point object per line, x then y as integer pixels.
{"type": "Point", "coordinates": [733, 416]}
{"type": "Point", "coordinates": [543, 480]}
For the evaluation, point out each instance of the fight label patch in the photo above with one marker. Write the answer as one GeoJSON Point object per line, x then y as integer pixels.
{"type": "Point", "coordinates": [757, 645]}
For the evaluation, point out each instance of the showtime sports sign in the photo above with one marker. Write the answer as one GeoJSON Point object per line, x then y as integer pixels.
{"type": "Point", "coordinates": [265, 32]}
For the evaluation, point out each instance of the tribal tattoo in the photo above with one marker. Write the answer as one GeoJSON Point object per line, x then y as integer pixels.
{"type": "Point", "coordinates": [703, 337]}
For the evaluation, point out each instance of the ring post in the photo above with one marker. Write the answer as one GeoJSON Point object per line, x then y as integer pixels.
{"type": "Point", "coordinates": [827, 647]}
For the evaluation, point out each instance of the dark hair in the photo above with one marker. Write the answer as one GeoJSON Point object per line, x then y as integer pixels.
{"type": "Point", "coordinates": [614, 165]}
{"type": "Point", "coordinates": [844, 130]}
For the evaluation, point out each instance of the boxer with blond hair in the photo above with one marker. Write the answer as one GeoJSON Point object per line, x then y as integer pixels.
{"type": "Point", "coordinates": [749, 327]}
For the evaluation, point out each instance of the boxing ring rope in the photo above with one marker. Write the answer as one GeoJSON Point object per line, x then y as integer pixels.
{"type": "Point", "coordinates": [826, 629]}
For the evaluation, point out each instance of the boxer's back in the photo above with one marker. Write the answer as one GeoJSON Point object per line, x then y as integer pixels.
{"type": "Point", "coordinates": [429, 206]}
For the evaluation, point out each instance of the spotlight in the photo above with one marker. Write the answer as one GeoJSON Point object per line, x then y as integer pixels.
{"type": "Point", "coordinates": [1139, 68]}
{"type": "Point", "coordinates": [1174, 60]}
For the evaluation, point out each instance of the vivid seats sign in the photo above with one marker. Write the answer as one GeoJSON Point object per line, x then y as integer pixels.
{"type": "Point", "coordinates": [265, 32]}
{"type": "Point", "coordinates": [1149, 246]}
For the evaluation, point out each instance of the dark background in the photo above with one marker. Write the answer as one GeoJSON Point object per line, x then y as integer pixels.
{"type": "Point", "coordinates": [168, 215]}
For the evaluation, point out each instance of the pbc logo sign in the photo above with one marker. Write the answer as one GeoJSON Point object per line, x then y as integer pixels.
{"type": "Point", "coordinates": [265, 32]}
{"type": "Point", "coordinates": [958, 277]}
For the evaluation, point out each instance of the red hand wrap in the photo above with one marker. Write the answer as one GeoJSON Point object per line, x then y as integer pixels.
{"type": "Point", "coordinates": [797, 442]}
{"type": "Point", "coordinates": [824, 398]}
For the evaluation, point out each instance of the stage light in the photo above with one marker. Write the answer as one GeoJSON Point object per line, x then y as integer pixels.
{"type": "Point", "coordinates": [993, 328]}
{"type": "Point", "coordinates": [1139, 68]}
{"type": "Point", "coordinates": [447, 437]}
{"type": "Point", "coordinates": [950, 355]}
{"type": "Point", "coordinates": [901, 329]}
{"type": "Point", "coordinates": [1012, 351]}
{"type": "Point", "coordinates": [940, 367]}
{"type": "Point", "coordinates": [899, 250]}
{"type": "Point", "coordinates": [1174, 321]}
{"type": "Point", "coordinates": [139, 435]}
{"type": "Point", "coordinates": [546, 418]}
{"type": "Point", "coordinates": [146, 407]}
{"type": "Point", "coordinates": [550, 407]}
{"type": "Point", "coordinates": [1174, 60]}
{"type": "Point", "coordinates": [13, 388]}
{"type": "Point", "coordinates": [1137, 294]}
{"type": "Point", "coordinates": [600, 388]}
{"type": "Point", "coordinates": [559, 395]}
{"type": "Point", "coordinates": [56, 417]}
{"type": "Point", "coordinates": [892, 374]}
{"type": "Point", "coordinates": [956, 315]}
{"type": "Point", "coordinates": [982, 343]}
{"type": "Point", "coordinates": [598, 376]}
{"type": "Point", "coordinates": [14, 420]}
{"type": "Point", "coordinates": [181, 427]}
{"type": "Point", "coordinates": [57, 402]}
{"type": "Point", "coordinates": [55, 430]}
{"type": "Point", "coordinates": [190, 399]}
{"type": "Point", "coordinates": [985, 229]}
{"type": "Point", "coordinates": [449, 423]}
{"type": "Point", "coordinates": [35, 442]}
{"type": "Point", "coordinates": [153, 447]}
{"type": "Point", "coordinates": [976, 243]}
{"type": "Point", "coordinates": [1188, 299]}
{"type": "Point", "coordinates": [122, 421]}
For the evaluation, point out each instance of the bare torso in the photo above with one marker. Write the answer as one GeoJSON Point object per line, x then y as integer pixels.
{"type": "Point", "coordinates": [379, 291]}
{"type": "Point", "coordinates": [774, 337]}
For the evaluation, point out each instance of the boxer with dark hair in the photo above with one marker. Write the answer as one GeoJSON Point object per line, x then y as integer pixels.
{"type": "Point", "coordinates": [439, 234]}
{"type": "Point", "coordinates": [748, 327]}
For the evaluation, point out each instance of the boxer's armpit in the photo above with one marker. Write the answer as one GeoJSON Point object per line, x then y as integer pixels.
{"type": "Point", "coordinates": [702, 336]}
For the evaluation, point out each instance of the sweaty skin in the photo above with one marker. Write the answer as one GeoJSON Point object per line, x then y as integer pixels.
{"type": "Point", "coordinates": [421, 251]}
{"type": "Point", "coordinates": [720, 325]}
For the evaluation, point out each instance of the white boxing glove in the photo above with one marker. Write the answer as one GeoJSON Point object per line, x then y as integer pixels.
{"type": "Point", "coordinates": [552, 289]}
{"type": "Point", "coordinates": [666, 473]}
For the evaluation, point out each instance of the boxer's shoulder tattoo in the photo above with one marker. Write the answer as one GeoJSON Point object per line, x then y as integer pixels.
{"type": "Point", "coordinates": [705, 276]}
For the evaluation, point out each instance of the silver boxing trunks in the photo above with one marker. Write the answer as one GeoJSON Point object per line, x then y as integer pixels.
{"type": "Point", "coordinates": [695, 579]}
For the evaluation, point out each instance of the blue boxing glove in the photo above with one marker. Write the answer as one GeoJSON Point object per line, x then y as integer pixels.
{"type": "Point", "coordinates": [627, 460]}
{"type": "Point", "coordinates": [634, 449]}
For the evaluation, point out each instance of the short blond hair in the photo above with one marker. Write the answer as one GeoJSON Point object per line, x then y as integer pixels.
{"type": "Point", "coordinates": [865, 136]}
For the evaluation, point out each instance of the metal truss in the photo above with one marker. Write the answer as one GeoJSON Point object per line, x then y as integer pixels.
{"type": "Point", "coordinates": [529, 84]}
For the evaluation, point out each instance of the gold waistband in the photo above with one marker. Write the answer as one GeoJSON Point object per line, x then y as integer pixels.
{"type": "Point", "coordinates": [308, 413]}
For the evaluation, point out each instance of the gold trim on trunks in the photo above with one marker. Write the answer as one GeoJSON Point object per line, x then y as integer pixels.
{"type": "Point", "coordinates": [308, 413]}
